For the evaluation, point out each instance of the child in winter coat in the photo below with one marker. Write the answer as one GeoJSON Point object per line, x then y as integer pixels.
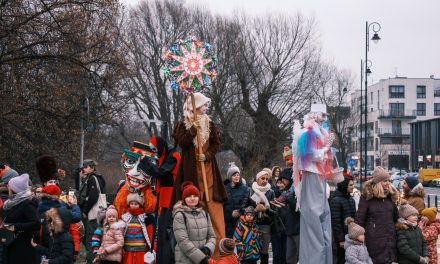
{"type": "Point", "coordinates": [58, 247]}
{"type": "Point", "coordinates": [227, 256]}
{"type": "Point", "coordinates": [192, 228]}
{"type": "Point", "coordinates": [247, 238]}
{"type": "Point", "coordinates": [430, 225]}
{"type": "Point", "coordinates": [411, 245]}
{"type": "Point", "coordinates": [137, 240]}
{"type": "Point", "coordinates": [355, 250]}
{"type": "Point", "coordinates": [110, 251]}
{"type": "Point", "coordinates": [260, 197]}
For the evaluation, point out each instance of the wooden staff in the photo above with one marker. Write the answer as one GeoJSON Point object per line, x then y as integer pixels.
{"type": "Point", "coordinates": [200, 150]}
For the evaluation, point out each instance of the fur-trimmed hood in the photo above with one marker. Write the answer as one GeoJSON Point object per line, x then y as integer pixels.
{"type": "Point", "coordinates": [403, 226]}
{"type": "Point", "coordinates": [367, 191]}
{"type": "Point", "coordinates": [118, 225]}
{"type": "Point", "coordinates": [416, 192]}
{"type": "Point", "coordinates": [58, 220]}
{"type": "Point", "coordinates": [180, 207]}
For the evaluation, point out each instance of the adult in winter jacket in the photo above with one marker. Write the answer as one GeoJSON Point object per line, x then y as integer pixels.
{"type": "Point", "coordinates": [377, 213]}
{"type": "Point", "coordinates": [237, 192]}
{"type": "Point", "coordinates": [50, 198]}
{"type": "Point", "coordinates": [414, 193]}
{"type": "Point", "coordinates": [185, 136]}
{"type": "Point", "coordinates": [57, 247]}
{"type": "Point", "coordinates": [342, 205]}
{"type": "Point", "coordinates": [411, 246]}
{"type": "Point", "coordinates": [19, 215]}
{"type": "Point", "coordinates": [90, 182]}
{"type": "Point", "coordinates": [430, 226]}
{"type": "Point", "coordinates": [260, 197]}
{"type": "Point", "coordinates": [192, 228]}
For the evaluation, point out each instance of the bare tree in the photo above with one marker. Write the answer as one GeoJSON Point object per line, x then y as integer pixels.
{"type": "Point", "coordinates": [52, 55]}
{"type": "Point", "coordinates": [332, 90]}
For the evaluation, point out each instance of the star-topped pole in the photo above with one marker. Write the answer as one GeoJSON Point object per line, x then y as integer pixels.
{"type": "Point", "coordinates": [191, 65]}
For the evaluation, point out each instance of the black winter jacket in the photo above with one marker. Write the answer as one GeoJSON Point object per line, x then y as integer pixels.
{"type": "Point", "coordinates": [58, 245]}
{"type": "Point", "coordinates": [24, 218]}
{"type": "Point", "coordinates": [341, 207]}
{"type": "Point", "coordinates": [289, 216]}
{"type": "Point", "coordinates": [261, 218]}
{"type": "Point", "coordinates": [236, 195]}
{"type": "Point", "coordinates": [88, 194]}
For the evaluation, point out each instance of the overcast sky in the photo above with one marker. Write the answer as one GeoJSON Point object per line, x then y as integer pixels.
{"type": "Point", "coordinates": [410, 34]}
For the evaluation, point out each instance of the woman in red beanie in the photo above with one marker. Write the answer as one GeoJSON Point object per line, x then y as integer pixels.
{"type": "Point", "coordinates": [192, 228]}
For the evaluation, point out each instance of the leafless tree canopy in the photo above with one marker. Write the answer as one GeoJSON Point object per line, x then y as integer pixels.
{"type": "Point", "coordinates": [53, 54]}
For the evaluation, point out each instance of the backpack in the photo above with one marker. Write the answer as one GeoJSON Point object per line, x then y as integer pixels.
{"type": "Point", "coordinates": [170, 232]}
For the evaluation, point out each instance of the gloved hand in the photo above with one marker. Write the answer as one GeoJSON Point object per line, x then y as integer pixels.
{"type": "Point", "coordinates": [149, 219]}
{"type": "Point", "coordinates": [422, 260]}
{"type": "Point", "coordinates": [206, 251]}
{"type": "Point", "coordinates": [236, 214]}
{"type": "Point", "coordinates": [204, 261]}
{"type": "Point", "coordinates": [200, 157]}
{"type": "Point", "coordinates": [145, 164]}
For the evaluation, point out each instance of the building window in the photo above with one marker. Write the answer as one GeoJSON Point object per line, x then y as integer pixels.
{"type": "Point", "coordinates": [396, 127]}
{"type": "Point", "coordinates": [421, 109]}
{"type": "Point", "coordinates": [437, 92]}
{"type": "Point", "coordinates": [397, 109]}
{"type": "Point", "coordinates": [421, 91]}
{"type": "Point", "coordinates": [437, 109]}
{"type": "Point", "coordinates": [397, 91]}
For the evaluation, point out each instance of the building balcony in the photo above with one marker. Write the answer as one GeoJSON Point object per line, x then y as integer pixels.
{"type": "Point", "coordinates": [393, 132]}
{"type": "Point", "coordinates": [397, 114]}
{"type": "Point", "coordinates": [370, 133]}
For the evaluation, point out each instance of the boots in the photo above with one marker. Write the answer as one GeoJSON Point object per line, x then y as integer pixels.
{"type": "Point", "coordinates": [264, 258]}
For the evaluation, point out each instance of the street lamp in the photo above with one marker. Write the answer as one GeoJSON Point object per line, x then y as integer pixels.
{"type": "Point", "coordinates": [376, 28]}
{"type": "Point", "coordinates": [84, 123]}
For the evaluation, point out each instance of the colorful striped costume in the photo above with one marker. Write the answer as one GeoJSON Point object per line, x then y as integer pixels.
{"type": "Point", "coordinates": [247, 240]}
{"type": "Point", "coordinates": [134, 237]}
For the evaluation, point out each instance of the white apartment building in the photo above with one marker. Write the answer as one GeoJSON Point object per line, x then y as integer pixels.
{"type": "Point", "coordinates": [392, 105]}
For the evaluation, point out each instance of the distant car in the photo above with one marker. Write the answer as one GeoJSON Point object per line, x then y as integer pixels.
{"type": "Point", "coordinates": [435, 183]}
{"type": "Point", "coordinates": [398, 175]}
{"type": "Point", "coordinates": [397, 184]}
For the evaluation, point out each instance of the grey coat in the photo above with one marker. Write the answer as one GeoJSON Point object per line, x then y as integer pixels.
{"type": "Point", "coordinates": [195, 234]}
{"type": "Point", "coordinates": [356, 252]}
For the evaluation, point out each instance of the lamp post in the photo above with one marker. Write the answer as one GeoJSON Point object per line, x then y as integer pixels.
{"type": "Point", "coordinates": [376, 28]}
{"type": "Point", "coordinates": [84, 123]}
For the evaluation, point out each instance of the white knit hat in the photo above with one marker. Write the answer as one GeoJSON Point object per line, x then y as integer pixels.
{"type": "Point", "coordinates": [199, 99]}
{"type": "Point", "coordinates": [261, 174]}
{"type": "Point", "coordinates": [232, 170]}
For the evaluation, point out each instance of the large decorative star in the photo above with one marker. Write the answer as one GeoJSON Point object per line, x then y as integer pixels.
{"type": "Point", "coordinates": [192, 64]}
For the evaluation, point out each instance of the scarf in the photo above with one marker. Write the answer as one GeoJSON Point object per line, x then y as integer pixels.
{"type": "Point", "coordinates": [135, 212]}
{"type": "Point", "coordinates": [259, 192]}
{"type": "Point", "coordinates": [204, 129]}
{"type": "Point", "coordinates": [17, 199]}
{"type": "Point", "coordinates": [413, 224]}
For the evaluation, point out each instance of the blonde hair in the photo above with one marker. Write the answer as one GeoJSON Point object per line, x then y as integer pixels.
{"type": "Point", "coordinates": [379, 192]}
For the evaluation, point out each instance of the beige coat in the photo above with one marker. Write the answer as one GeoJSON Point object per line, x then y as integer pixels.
{"type": "Point", "coordinates": [113, 241]}
{"type": "Point", "coordinates": [195, 234]}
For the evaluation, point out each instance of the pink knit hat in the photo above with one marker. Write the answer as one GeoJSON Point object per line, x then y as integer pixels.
{"type": "Point", "coordinates": [111, 210]}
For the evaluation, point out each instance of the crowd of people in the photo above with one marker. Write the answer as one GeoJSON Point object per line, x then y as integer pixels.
{"type": "Point", "coordinates": [174, 207]}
